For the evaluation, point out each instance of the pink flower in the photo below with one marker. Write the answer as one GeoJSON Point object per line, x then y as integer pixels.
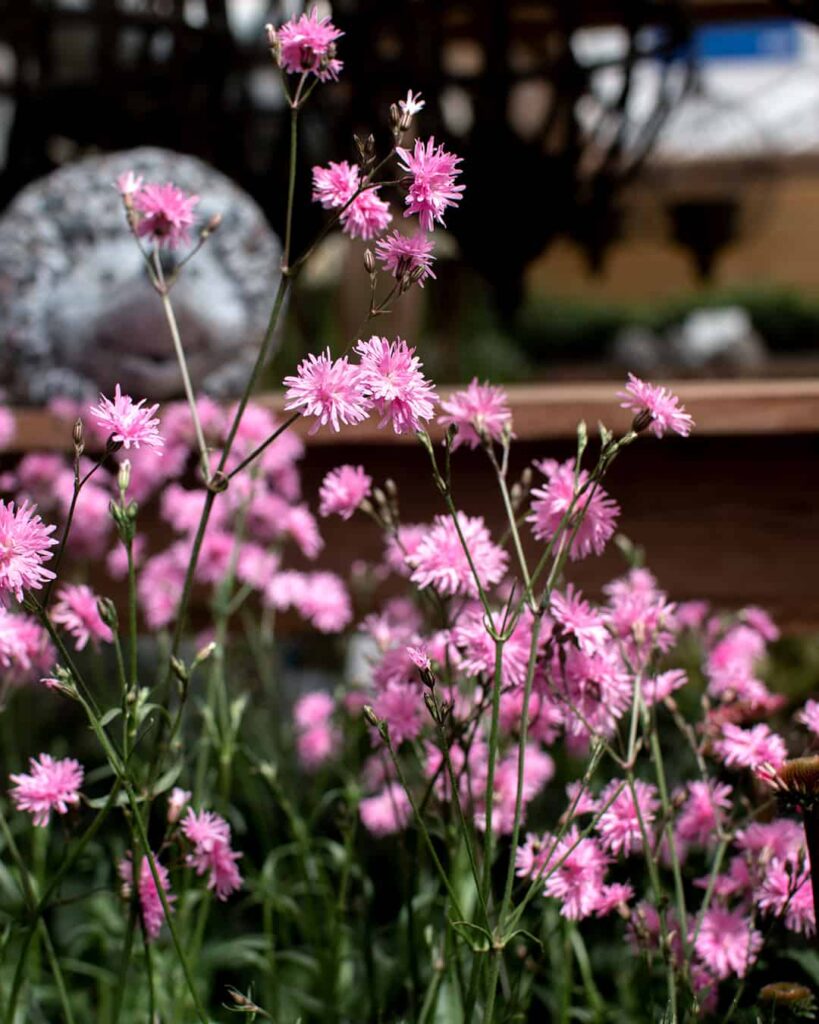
{"type": "Point", "coordinates": [127, 422]}
{"type": "Point", "coordinates": [326, 602]}
{"type": "Point", "coordinates": [387, 812]}
{"type": "Point", "coordinates": [782, 891]}
{"type": "Point", "coordinates": [552, 502]}
{"type": "Point", "coordinates": [166, 214]}
{"type": "Point", "coordinates": [402, 545]}
{"type": "Point", "coordinates": [592, 690]}
{"type": "Point", "coordinates": [51, 786]}
{"type": "Point", "coordinates": [620, 824]}
{"type": "Point", "coordinates": [702, 815]}
{"type": "Point", "coordinates": [663, 685]}
{"type": "Point", "coordinates": [809, 716]}
{"type": "Point", "coordinates": [209, 834]}
{"type": "Point", "coordinates": [538, 769]}
{"type": "Point", "coordinates": [481, 409]}
{"type": "Point", "coordinates": [782, 839]}
{"type": "Point", "coordinates": [128, 183]}
{"type": "Point", "coordinates": [335, 184]}
{"type": "Point", "coordinates": [24, 544]}
{"type": "Point", "coordinates": [413, 104]}
{"type": "Point", "coordinates": [7, 428]}
{"type": "Point", "coordinates": [419, 656]}
{"type": "Point", "coordinates": [749, 748]}
{"type": "Point", "coordinates": [366, 216]}
{"type": "Point", "coordinates": [433, 186]}
{"type": "Point", "coordinates": [177, 802]}
{"type": "Point", "coordinates": [331, 390]}
{"type": "Point", "coordinates": [578, 881]}
{"type": "Point", "coordinates": [334, 187]}
{"type": "Point", "coordinates": [440, 560]}
{"type": "Point", "coordinates": [153, 913]}
{"type": "Point", "coordinates": [399, 391]}
{"type": "Point", "coordinates": [307, 44]}
{"type": "Point", "coordinates": [727, 942]}
{"type": "Point", "coordinates": [404, 255]}
{"type": "Point", "coordinates": [77, 612]}
{"type": "Point", "coordinates": [578, 619]}
{"type": "Point", "coordinates": [343, 490]}
{"type": "Point", "coordinates": [315, 708]}
{"type": "Point", "coordinates": [25, 649]}
{"type": "Point", "coordinates": [399, 705]}
{"type": "Point", "coordinates": [659, 403]}
{"type": "Point", "coordinates": [317, 745]}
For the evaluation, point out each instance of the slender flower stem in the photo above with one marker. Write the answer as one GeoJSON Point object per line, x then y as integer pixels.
{"type": "Point", "coordinates": [291, 180]}
{"type": "Point", "coordinates": [524, 727]}
{"type": "Point", "coordinates": [79, 483]}
{"type": "Point", "coordinates": [170, 316]}
{"type": "Point", "coordinates": [419, 821]}
{"type": "Point", "coordinates": [513, 526]}
{"type": "Point", "coordinates": [30, 898]}
{"type": "Point", "coordinates": [492, 754]}
{"type": "Point", "coordinates": [264, 445]}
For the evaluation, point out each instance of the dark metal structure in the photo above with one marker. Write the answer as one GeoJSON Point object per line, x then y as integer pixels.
{"type": "Point", "coordinates": [545, 151]}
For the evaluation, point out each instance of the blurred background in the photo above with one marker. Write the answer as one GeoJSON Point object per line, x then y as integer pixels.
{"type": "Point", "coordinates": [642, 194]}
{"type": "Point", "coordinates": [643, 177]}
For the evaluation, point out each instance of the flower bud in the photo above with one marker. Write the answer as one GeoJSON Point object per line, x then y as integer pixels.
{"type": "Point", "coordinates": [124, 476]}
{"type": "Point", "coordinates": [369, 261]}
{"type": "Point", "coordinates": [108, 612]}
{"type": "Point", "coordinates": [176, 803]}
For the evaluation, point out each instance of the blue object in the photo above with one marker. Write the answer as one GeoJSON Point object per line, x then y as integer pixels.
{"type": "Point", "coordinates": [775, 39]}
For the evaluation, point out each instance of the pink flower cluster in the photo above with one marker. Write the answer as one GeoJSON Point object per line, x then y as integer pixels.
{"type": "Point", "coordinates": [150, 902]}
{"type": "Point", "coordinates": [209, 835]}
{"type": "Point", "coordinates": [306, 45]}
{"type": "Point", "coordinates": [164, 213]}
{"type": "Point", "coordinates": [77, 611]}
{"type": "Point", "coordinates": [52, 785]}
{"type": "Point", "coordinates": [317, 739]}
{"type": "Point", "coordinates": [387, 380]}
{"type": "Point", "coordinates": [127, 422]}
{"type": "Point", "coordinates": [24, 547]}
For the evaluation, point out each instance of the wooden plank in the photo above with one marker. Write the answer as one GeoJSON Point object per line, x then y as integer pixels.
{"type": "Point", "coordinates": [544, 411]}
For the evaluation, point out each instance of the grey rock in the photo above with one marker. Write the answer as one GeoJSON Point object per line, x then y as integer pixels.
{"type": "Point", "coordinates": [77, 311]}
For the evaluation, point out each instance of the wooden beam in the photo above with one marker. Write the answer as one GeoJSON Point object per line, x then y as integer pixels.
{"type": "Point", "coordinates": [544, 411]}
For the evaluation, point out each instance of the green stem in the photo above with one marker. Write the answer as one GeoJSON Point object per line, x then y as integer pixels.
{"type": "Point", "coordinates": [422, 828]}
{"type": "Point", "coordinates": [183, 365]}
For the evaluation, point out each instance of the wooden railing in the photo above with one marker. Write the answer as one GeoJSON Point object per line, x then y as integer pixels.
{"type": "Point", "coordinates": [730, 514]}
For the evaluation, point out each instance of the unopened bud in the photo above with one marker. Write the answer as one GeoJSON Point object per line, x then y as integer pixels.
{"type": "Point", "coordinates": [176, 803]}
{"type": "Point", "coordinates": [395, 116]}
{"type": "Point", "coordinates": [405, 122]}
{"type": "Point", "coordinates": [390, 487]}
{"type": "Point", "coordinates": [108, 612]}
{"type": "Point", "coordinates": [124, 476]}
{"type": "Point", "coordinates": [370, 715]}
{"type": "Point", "coordinates": [77, 435]}
{"type": "Point", "coordinates": [179, 670]}
{"type": "Point", "coordinates": [204, 654]}
{"type": "Point", "coordinates": [366, 149]}
{"type": "Point", "coordinates": [432, 708]}
{"type": "Point", "coordinates": [369, 261]}
{"type": "Point", "coordinates": [379, 496]}
{"type": "Point", "coordinates": [211, 226]}
{"type": "Point", "coordinates": [273, 43]}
